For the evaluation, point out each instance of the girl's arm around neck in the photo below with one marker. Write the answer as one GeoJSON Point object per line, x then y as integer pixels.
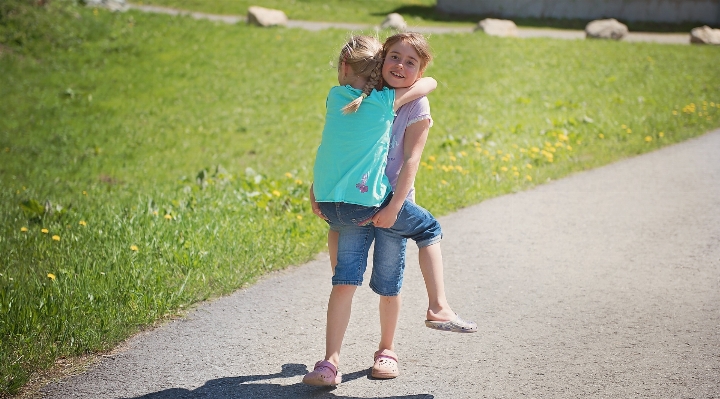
{"type": "Point", "coordinates": [422, 87]}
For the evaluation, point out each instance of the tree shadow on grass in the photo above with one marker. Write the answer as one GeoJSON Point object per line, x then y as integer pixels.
{"type": "Point", "coordinates": [429, 13]}
{"type": "Point", "coordinates": [238, 388]}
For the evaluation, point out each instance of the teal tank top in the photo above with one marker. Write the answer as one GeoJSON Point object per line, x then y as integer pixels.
{"type": "Point", "coordinates": [350, 162]}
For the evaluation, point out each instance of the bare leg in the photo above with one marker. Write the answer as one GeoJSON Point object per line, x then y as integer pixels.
{"type": "Point", "coordinates": [389, 316]}
{"type": "Point", "coordinates": [431, 266]}
{"type": "Point", "coordinates": [338, 317]}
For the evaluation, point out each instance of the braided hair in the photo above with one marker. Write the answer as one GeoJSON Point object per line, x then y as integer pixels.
{"type": "Point", "coordinates": [364, 55]}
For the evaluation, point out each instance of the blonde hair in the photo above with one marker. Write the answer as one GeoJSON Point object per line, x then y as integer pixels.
{"type": "Point", "coordinates": [416, 41]}
{"type": "Point", "coordinates": [364, 55]}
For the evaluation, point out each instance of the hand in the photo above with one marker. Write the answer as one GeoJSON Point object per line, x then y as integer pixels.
{"type": "Point", "coordinates": [317, 212]}
{"type": "Point", "coordinates": [314, 205]}
{"type": "Point", "coordinates": [385, 218]}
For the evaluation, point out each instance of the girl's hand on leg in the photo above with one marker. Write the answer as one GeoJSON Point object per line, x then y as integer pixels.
{"type": "Point", "coordinates": [386, 217]}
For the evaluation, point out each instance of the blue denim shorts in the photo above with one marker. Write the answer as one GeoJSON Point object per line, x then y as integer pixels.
{"type": "Point", "coordinates": [413, 222]}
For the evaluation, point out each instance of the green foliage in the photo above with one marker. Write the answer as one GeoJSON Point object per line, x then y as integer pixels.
{"type": "Point", "coordinates": [115, 210]}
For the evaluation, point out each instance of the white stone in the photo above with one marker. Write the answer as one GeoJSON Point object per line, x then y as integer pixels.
{"type": "Point", "coordinates": [112, 5]}
{"type": "Point", "coordinates": [394, 21]}
{"type": "Point", "coordinates": [266, 17]}
{"type": "Point", "coordinates": [497, 27]}
{"type": "Point", "coordinates": [705, 35]}
{"type": "Point", "coordinates": [606, 29]}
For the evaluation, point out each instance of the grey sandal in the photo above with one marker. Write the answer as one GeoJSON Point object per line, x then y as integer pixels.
{"type": "Point", "coordinates": [456, 325]}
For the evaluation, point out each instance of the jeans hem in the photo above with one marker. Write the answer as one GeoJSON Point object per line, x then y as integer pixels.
{"type": "Point", "coordinates": [347, 282]}
{"type": "Point", "coordinates": [375, 290]}
{"type": "Point", "coordinates": [429, 242]}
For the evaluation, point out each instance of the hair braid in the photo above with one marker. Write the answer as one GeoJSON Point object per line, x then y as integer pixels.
{"type": "Point", "coordinates": [375, 74]}
{"type": "Point", "coordinates": [364, 55]}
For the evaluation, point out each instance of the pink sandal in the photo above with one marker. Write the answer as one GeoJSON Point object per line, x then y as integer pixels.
{"type": "Point", "coordinates": [324, 374]}
{"type": "Point", "coordinates": [386, 365]}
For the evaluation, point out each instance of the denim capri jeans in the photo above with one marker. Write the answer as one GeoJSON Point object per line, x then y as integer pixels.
{"type": "Point", "coordinates": [356, 236]}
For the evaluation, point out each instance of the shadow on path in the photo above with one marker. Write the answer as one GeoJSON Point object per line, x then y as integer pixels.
{"type": "Point", "coordinates": [238, 388]}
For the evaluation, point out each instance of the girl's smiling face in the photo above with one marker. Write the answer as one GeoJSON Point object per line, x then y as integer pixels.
{"type": "Point", "coordinates": [402, 66]}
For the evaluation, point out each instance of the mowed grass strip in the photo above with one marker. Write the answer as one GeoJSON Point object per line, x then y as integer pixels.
{"type": "Point", "coordinates": [169, 160]}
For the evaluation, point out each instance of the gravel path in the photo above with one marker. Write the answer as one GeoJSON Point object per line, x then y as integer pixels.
{"type": "Point", "coordinates": [605, 284]}
{"type": "Point", "coordinates": [667, 38]}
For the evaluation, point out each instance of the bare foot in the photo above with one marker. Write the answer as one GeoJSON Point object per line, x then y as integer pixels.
{"type": "Point", "coordinates": [442, 314]}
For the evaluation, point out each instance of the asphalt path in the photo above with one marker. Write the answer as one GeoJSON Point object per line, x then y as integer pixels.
{"type": "Point", "coordinates": [604, 284]}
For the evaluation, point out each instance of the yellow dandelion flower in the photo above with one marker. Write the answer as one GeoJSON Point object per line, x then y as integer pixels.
{"type": "Point", "coordinates": [56, 238]}
{"type": "Point", "coordinates": [82, 223]}
{"type": "Point", "coordinates": [516, 174]}
{"type": "Point", "coordinates": [24, 229]}
{"type": "Point", "coordinates": [299, 217]}
{"type": "Point", "coordinates": [51, 276]}
{"type": "Point", "coordinates": [443, 182]}
{"type": "Point", "coordinates": [492, 157]}
{"type": "Point", "coordinates": [623, 126]}
{"type": "Point", "coordinates": [298, 182]}
{"type": "Point", "coordinates": [430, 167]}
{"type": "Point", "coordinates": [155, 213]}
{"type": "Point", "coordinates": [276, 193]}
{"type": "Point", "coordinates": [486, 152]}
{"type": "Point", "coordinates": [629, 131]}
{"type": "Point", "coordinates": [463, 153]}
{"type": "Point", "coordinates": [535, 149]}
{"type": "Point", "coordinates": [527, 165]}
{"type": "Point", "coordinates": [569, 148]}
{"type": "Point", "coordinates": [528, 178]}
{"type": "Point", "coordinates": [499, 152]}
{"type": "Point", "coordinates": [458, 168]}
{"type": "Point", "coordinates": [675, 112]}
{"type": "Point", "coordinates": [648, 139]}
{"type": "Point", "coordinates": [423, 163]}
{"type": "Point", "coordinates": [134, 248]}
{"type": "Point", "coordinates": [504, 169]}
{"type": "Point", "coordinates": [514, 168]}
{"type": "Point", "coordinates": [712, 104]}
{"type": "Point", "coordinates": [602, 136]}
{"type": "Point", "coordinates": [45, 231]}
{"type": "Point", "coordinates": [168, 216]}
{"type": "Point", "coordinates": [288, 175]}
{"type": "Point", "coordinates": [84, 192]}
{"type": "Point", "coordinates": [452, 158]}
{"type": "Point", "coordinates": [562, 137]}
{"type": "Point", "coordinates": [431, 158]}
{"type": "Point", "coordinates": [523, 150]}
{"type": "Point", "coordinates": [661, 134]}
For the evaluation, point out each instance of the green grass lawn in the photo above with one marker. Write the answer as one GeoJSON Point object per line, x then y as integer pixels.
{"type": "Point", "coordinates": [167, 161]}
